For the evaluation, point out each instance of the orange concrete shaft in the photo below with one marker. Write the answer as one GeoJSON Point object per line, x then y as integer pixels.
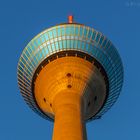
{"type": "Point", "coordinates": [69, 123]}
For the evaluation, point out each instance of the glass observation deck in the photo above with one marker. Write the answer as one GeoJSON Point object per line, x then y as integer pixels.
{"type": "Point", "coordinates": [65, 37]}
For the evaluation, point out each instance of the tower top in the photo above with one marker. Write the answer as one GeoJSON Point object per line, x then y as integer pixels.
{"type": "Point", "coordinates": [92, 59]}
{"type": "Point", "coordinates": [70, 19]}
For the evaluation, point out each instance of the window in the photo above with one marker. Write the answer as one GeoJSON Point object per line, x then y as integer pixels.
{"type": "Point", "coordinates": [101, 39]}
{"type": "Point", "coordinates": [81, 31]}
{"type": "Point", "coordinates": [104, 42]}
{"type": "Point", "coordinates": [54, 33]}
{"type": "Point", "coordinates": [46, 36]}
{"type": "Point", "coordinates": [79, 44]}
{"type": "Point", "coordinates": [62, 31]}
{"type": "Point", "coordinates": [93, 35]}
{"type": "Point", "coordinates": [85, 32]}
{"type": "Point", "coordinates": [58, 31]}
{"type": "Point", "coordinates": [50, 34]}
{"type": "Point", "coordinates": [72, 30]}
{"type": "Point", "coordinates": [56, 45]}
{"type": "Point", "coordinates": [89, 33]}
{"type": "Point", "coordinates": [60, 44]}
{"type": "Point", "coordinates": [68, 30]}
{"type": "Point", "coordinates": [71, 43]}
{"type": "Point", "coordinates": [42, 38]}
{"type": "Point", "coordinates": [64, 44]}
{"type": "Point", "coordinates": [97, 37]}
{"type": "Point", "coordinates": [76, 31]}
{"type": "Point", "coordinates": [38, 42]}
{"type": "Point", "coordinates": [53, 47]}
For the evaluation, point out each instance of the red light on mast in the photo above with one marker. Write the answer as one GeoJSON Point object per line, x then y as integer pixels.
{"type": "Point", "coordinates": [70, 19]}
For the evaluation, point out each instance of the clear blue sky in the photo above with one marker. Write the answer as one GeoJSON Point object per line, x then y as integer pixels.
{"type": "Point", "coordinates": [21, 20]}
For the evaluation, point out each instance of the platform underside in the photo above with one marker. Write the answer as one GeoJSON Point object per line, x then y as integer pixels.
{"type": "Point", "coordinates": [72, 74]}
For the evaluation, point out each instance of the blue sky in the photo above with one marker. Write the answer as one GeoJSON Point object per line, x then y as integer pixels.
{"type": "Point", "coordinates": [20, 21]}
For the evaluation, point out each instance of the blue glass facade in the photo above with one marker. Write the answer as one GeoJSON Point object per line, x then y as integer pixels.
{"type": "Point", "coordinates": [70, 37]}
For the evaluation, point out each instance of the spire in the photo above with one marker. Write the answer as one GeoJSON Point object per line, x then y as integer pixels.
{"type": "Point", "coordinates": [70, 19]}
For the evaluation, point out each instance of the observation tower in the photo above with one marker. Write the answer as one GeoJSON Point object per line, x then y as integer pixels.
{"type": "Point", "coordinates": [70, 74]}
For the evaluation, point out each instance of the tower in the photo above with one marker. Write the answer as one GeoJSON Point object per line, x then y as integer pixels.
{"type": "Point", "coordinates": [70, 74]}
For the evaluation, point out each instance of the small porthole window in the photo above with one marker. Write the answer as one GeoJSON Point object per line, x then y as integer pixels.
{"type": "Point", "coordinates": [44, 100]}
{"type": "Point", "coordinates": [95, 98]}
{"type": "Point", "coordinates": [69, 86]}
{"type": "Point", "coordinates": [68, 74]}
{"type": "Point", "coordinates": [88, 104]}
